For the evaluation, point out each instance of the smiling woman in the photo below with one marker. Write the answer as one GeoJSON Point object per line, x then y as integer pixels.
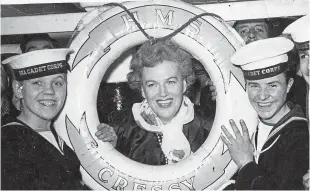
{"type": "Point", "coordinates": [160, 78]}
{"type": "Point", "coordinates": [162, 72]}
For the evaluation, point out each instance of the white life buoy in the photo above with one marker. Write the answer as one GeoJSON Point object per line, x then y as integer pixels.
{"type": "Point", "coordinates": [101, 37]}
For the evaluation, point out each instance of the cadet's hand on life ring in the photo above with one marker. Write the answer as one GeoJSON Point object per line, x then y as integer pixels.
{"type": "Point", "coordinates": [106, 133]}
{"type": "Point", "coordinates": [305, 181]}
{"type": "Point", "coordinates": [241, 149]}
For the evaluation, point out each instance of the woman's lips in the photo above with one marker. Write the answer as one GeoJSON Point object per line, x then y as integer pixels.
{"type": "Point", "coordinates": [164, 102]}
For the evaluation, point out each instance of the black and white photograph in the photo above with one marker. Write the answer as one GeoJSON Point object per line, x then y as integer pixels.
{"type": "Point", "coordinates": [155, 95]}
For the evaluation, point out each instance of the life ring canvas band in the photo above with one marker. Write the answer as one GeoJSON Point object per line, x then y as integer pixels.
{"type": "Point", "coordinates": [41, 70]}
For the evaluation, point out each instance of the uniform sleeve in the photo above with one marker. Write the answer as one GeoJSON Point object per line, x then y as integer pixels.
{"type": "Point", "coordinates": [24, 168]}
{"type": "Point", "coordinates": [291, 164]}
{"type": "Point", "coordinates": [17, 172]}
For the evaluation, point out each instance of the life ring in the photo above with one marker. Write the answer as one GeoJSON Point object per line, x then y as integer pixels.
{"type": "Point", "coordinates": [99, 39]}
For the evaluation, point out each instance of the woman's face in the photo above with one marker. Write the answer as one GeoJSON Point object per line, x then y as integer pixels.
{"type": "Point", "coordinates": [163, 87]}
{"type": "Point", "coordinates": [44, 97]}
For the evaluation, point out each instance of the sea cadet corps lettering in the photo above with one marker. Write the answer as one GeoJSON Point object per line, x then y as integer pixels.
{"type": "Point", "coordinates": [121, 183]}
{"type": "Point", "coordinates": [44, 68]}
{"type": "Point", "coordinates": [32, 70]}
{"type": "Point", "coordinates": [271, 70]}
{"type": "Point", "coordinates": [263, 71]}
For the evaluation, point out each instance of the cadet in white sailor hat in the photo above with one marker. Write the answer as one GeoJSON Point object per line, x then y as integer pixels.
{"type": "Point", "coordinates": [29, 141]}
{"type": "Point", "coordinates": [37, 64]}
{"type": "Point", "coordinates": [300, 33]}
{"type": "Point", "coordinates": [277, 156]}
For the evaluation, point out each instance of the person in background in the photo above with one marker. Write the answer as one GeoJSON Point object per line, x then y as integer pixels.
{"type": "Point", "coordinates": [299, 32]}
{"type": "Point", "coordinates": [258, 29]}
{"type": "Point", "coordinates": [278, 155]}
{"type": "Point", "coordinates": [252, 30]}
{"type": "Point", "coordinates": [33, 156]}
{"type": "Point", "coordinates": [38, 42]}
{"type": "Point", "coordinates": [164, 128]}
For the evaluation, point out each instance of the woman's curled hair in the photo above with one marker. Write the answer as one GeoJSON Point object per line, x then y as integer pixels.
{"type": "Point", "coordinates": [150, 55]}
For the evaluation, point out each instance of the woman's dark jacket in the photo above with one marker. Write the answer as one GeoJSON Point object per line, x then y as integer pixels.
{"type": "Point", "coordinates": [143, 146]}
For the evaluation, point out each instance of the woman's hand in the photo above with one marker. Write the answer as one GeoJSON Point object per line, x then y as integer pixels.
{"type": "Point", "coordinates": [241, 149]}
{"type": "Point", "coordinates": [106, 133]}
{"type": "Point", "coordinates": [305, 181]}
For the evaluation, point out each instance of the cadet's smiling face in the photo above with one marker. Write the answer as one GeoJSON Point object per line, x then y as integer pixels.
{"type": "Point", "coordinates": [163, 88]}
{"type": "Point", "coordinates": [43, 97]}
{"type": "Point", "coordinates": [268, 96]}
{"type": "Point", "coordinates": [252, 30]}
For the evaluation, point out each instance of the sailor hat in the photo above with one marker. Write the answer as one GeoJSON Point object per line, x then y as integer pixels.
{"type": "Point", "coordinates": [300, 32]}
{"type": "Point", "coordinates": [263, 58]}
{"type": "Point", "coordinates": [39, 63]}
